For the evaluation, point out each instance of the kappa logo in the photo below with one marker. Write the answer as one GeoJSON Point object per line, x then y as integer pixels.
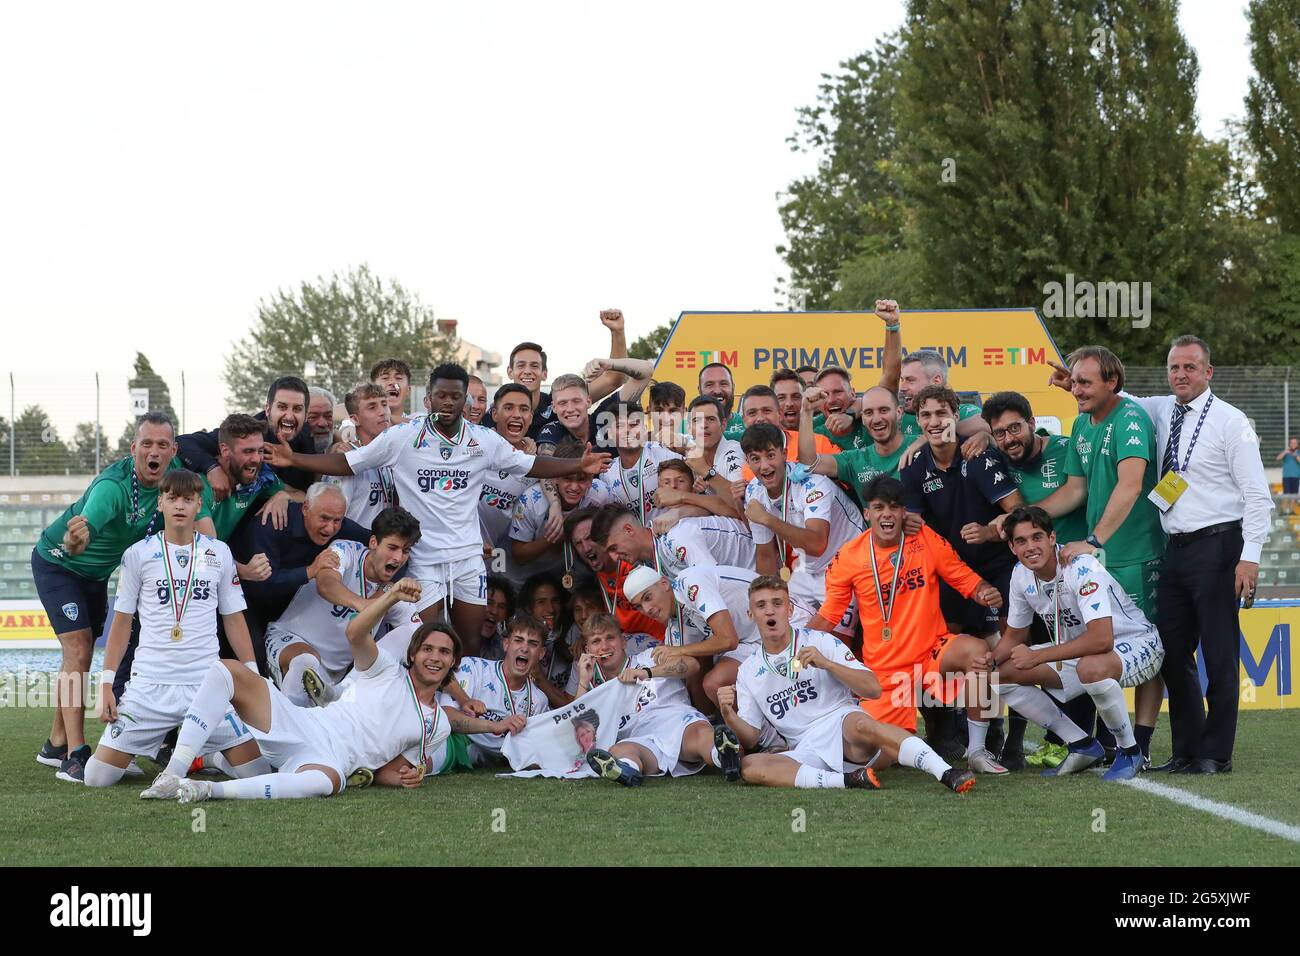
{"type": "Point", "coordinates": [691, 592]}
{"type": "Point", "coordinates": [70, 611]}
{"type": "Point", "coordinates": [1088, 588]}
{"type": "Point", "coordinates": [1134, 427]}
{"type": "Point", "coordinates": [988, 463]}
{"type": "Point", "coordinates": [445, 451]}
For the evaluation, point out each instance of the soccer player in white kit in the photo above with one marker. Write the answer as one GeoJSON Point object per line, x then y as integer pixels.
{"type": "Point", "coordinates": [512, 416]}
{"type": "Point", "coordinates": [439, 465]}
{"type": "Point", "coordinates": [665, 734]}
{"type": "Point", "coordinates": [371, 491]}
{"type": "Point", "coordinates": [633, 476]}
{"type": "Point", "coordinates": [390, 709]}
{"type": "Point", "coordinates": [178, 580]}
{"type": "Point", "coordinates": [789, 509]}
{"type": "Point", "coordinates": [307, 648]}
{"type": "Point", "coordinates": [507, 695]}
{"type": "Point", "coordinates": [705, 613]}
{"type": "Point", "coordinates": [1101, 641]}
{"type": "Point", "coordinates": [806, 686]}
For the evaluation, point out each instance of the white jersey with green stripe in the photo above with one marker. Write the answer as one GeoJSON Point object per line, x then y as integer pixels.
{"type": "Point", "coordinates": [378, 717]}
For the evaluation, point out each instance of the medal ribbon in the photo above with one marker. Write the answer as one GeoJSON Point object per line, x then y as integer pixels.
{"type": "Point", "coordinates": [509, 695]}
{"type": "Point", "coordinates": [419, 712]}
{"type": "Point", "coordinates": [886, 612]}
{"type": "Point", "coordinates": [427, 428]}
{"type": "Point", "coordinates": [781, 546]}
{"type": "Point", "coordinates": [791, 649]}
{"type": "Point", "coordinates": [178, 606]}
{"type": "Point", "coordinates": [640, 485]}
{"type": "Point", "coordinates": [600, 678]}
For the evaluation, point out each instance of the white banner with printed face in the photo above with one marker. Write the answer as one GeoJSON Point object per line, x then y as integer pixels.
{"type": "Point", "coordinates": [556, 743]}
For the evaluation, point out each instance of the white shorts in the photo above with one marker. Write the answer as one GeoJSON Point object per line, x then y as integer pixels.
{"type": "Point", "coordinates": [660, 731]}
{"type": "Point", "coordinates": [464, 580]}
{"type": "Point", "coordinates": [1140, 661]}
{"type": "Point", "coordinates": [296, 739]}
{"type": "Point", "coordinates": [277, 640]}
{"type": "Point", "coordinates": [147, 713]}
{"type": "Point", "coordinates": [822, 746]}
{"type": "Point", "coordinates": [810, 590]}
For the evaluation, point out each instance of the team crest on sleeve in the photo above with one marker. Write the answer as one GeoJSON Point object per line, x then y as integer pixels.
{"type": "Point", "coordinates": [692, 592]}
{"type": "Point", "coordinates": [1088, 588]}
{"type": "Point", "coordinates": [70, 611]}
{"type": "Point", "coordinates": [681, 555]}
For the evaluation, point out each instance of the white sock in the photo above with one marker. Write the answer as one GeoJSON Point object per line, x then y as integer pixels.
{"type": "Point", "coordinates": [915, 752]}
{"type": "Point", "coordinates": [292, 685]}
{"type": "Point", "coordinates": [629, 762]}
{"type": "Point", "coordinates": [206, 710]}
{"type": "Point", "coordinates": [259, 766]}
{"type": "Point", "coordinates": [809, 778]}
{"type": "Point", "coordinates": [1036, 705]}
{"type": "Point", "coordinates": [101, 774]}
{"type": "Point", "coordinates": [1109, 698]}
{"type": "Point", "coordinates": [714, 758]}
{"type": "Point", "coordinates": [275, 786]}
{"type": "Point", "coordinates": [977, 735]}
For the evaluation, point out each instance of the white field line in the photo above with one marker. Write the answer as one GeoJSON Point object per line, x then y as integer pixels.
{"type": "Point", "coordinates": [1225, 811]}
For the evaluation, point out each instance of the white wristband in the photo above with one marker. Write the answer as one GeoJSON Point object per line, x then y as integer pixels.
{"type": "Point", "coordinates": [107, 677]}
{"type": "Point", "coordinates": [252, 666]}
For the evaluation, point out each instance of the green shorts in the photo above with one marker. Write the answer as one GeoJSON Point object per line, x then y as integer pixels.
{"type": "Point", "coordinates": [1140, 582]}
{"type": "Point", "coordinates": [457, 755]}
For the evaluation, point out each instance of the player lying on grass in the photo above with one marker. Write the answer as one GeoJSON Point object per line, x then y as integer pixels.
{"type": "Point", "coordinates": [389, 709]}
{"type": "Point", "coordinates": [1101, 642]}
{"type": "Point", "coordinates": [307, 649]}
{"type": "Point", "coordinates": [178, 580]}
{"type": "Point", "coordinates": [665, 735]}
{"type": "Point", "coordinates": [806, 684]}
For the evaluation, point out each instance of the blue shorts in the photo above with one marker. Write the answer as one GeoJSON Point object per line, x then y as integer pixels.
{"type": "Point", "coordinates": [72, 603]}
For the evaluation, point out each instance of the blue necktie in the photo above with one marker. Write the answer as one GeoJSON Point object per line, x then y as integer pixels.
{"type": "Point", "coordinates": [1175, 431]}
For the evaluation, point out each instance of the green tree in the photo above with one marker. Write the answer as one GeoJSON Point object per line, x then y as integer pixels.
{"type": "Point", "coordinates": [851, 208]}
{"type": "Point", "coordinates": [649, 345]}
{"type": "Point", "coordinates": [1273, 105]}
{"type": "Point", "coordinates": [1059, 136]}
{"type": "Point", "coordinates": [343, 324]}
{"type": "Point", "coordinates": [83, 449]}
{"type": "Point", "coordinates": [160, 400]}
{"type": "Point", "coordinates": [38, 448]}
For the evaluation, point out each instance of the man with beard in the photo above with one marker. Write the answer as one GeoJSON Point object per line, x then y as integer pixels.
{"type": "Point", "coordinates": [285, 421]}
{"type": "Point", "coordinates": [806, 685]}
{"type": "Point", "coordinates": [306, 647]}
{"type": "Point", "coordinates": [534, 549]}
{"type": "Point", "coordinates": [797, 523]}
{"type": "Point", "coordinates": [320, 419]}
{"type": "Point", "coordinates": [392, 710]}
{"type": "Point", "coordinates": [511, 419]}
{"type": "Point", "coordinates": [759, 404]}
{"type": "Point", "coordinates": [610, 574]}
{"type": "Point", "coordinates": [240, 442]}
{"type": "Point", "coordinates": [716, 383]}
{"type": "Point", "coordinates": [665, 734]}
{"type": "Point", "coordinates": [439, 466]}
{"type": "Point", "coordinates": [857, 466]}
{"type": "Point", "coordinates": [716, 461]}
{"type": "Point", "coordinates": [371, 491]}
{"type": "Point", "coordinates": [788, 388]}
{"type": "Point", "coordinates": [504, 688]}
{"type": "Point", "coordinates": [75, 557]}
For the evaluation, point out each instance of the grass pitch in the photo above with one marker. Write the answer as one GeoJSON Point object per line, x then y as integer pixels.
{"type": "Point", "coordinates": [1022, 819]}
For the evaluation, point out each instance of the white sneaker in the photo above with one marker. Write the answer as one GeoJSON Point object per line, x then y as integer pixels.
{"type": "Point", "coordinates": [164, 787]}
{"type": "Point", "coordinates": [194, 791]}
{"type": "Point", "coordinates": [133, 771]}
{"type": "Point", "coordinates": [982, 761]}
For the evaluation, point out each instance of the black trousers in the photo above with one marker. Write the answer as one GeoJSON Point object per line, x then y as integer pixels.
{"type": "Point", "coordinates": [1197, 607]}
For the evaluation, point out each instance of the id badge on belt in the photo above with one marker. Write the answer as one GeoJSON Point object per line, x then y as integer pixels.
{"type": "Point", "coordinates": [1168, 490]}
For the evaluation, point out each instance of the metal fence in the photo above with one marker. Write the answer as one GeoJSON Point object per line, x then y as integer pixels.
{"type": "Point", "coordinates": [62, 423]}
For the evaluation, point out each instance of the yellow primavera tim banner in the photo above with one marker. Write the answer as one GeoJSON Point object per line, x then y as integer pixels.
{"type": "Point", "coordinates": [987, 350]}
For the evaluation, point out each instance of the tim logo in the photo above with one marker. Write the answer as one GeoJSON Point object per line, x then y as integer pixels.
{"type": "Point", "coordinates": [75, 909]}
{"type": "Point", "coordinates": [683, 358]}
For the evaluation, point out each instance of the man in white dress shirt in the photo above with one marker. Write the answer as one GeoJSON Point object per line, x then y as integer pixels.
{"type": "Point", "coordinates": [1216, 516]}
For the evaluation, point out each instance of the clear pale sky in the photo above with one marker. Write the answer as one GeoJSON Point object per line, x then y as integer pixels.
{"type": "Point", "coordinates": [518, 165]}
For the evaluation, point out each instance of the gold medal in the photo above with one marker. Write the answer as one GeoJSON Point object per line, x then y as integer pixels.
{"type": "Point", "coordinates": [796, 665]}
{"type": "Point", "coordinates": [420, 771]}
{"type": "Point", "coordinates": [886, 633]}
{"type": "Point", "coordinates": [785, 574]}
{"type": "Point", "coordinates": [567, 581]}
{"type": "Point", "coordinates": [177, 634]}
